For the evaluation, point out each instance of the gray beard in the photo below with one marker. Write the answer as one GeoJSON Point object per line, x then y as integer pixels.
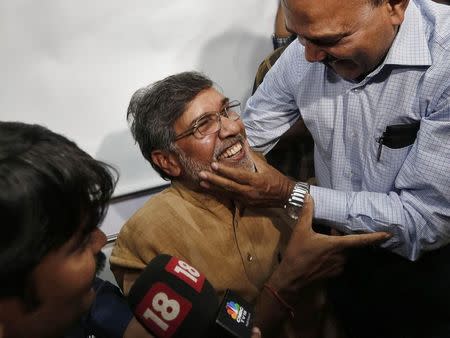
{"type": "Point", "coordinates": [192, 168]}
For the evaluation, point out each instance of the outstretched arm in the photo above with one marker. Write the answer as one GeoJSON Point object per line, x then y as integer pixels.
{"type": "Point", "coordinates": [416, 211]}
{"type": "Point", "coordinates": [309, 257]}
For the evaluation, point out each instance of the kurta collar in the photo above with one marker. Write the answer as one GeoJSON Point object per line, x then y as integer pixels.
{"type": "Point", "coordinates": [202, 199]}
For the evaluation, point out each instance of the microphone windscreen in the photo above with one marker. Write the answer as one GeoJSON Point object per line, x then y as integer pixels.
{"type": "Point", "coordinates": [173, 299]}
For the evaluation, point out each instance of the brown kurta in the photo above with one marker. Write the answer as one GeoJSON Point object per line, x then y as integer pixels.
{"type": "Point", "coordinates": [236, 248]}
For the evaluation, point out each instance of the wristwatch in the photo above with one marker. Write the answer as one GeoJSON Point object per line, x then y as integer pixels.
{"type": "Point", "coordinates": [297, 199]}
{"type": "Point", "coordinates": [278, 41]}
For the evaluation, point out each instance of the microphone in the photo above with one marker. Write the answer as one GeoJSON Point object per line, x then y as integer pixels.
{"type": "Point", "coordinates": [173, 299]}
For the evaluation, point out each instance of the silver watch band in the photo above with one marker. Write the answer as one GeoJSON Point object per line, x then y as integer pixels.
{"type": "Point", "coordinates": [297, 199]}
{"type": "Point", "coordinates": [298, 194]}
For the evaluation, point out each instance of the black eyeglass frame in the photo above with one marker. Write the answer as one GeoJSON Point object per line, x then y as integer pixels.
{"type": "Point", "coordinates": [223, 113]}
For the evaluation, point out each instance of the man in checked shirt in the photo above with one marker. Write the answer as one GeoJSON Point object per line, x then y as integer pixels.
{"type": "Point", "coordinates": [371, 81]}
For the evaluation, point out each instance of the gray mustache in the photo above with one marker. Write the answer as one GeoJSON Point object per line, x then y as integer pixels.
{"type": "Point", "coordinates": [228, 143]}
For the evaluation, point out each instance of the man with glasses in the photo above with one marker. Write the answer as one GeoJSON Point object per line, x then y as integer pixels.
{"type": "Point", "coordinates": [182, 124]}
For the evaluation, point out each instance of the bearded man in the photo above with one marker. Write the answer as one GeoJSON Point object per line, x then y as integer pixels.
{"type": "Point", "coordinates": [182, 124]}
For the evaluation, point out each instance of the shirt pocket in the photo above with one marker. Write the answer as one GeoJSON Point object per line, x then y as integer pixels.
{"type": "Point", "coordinates": [398, 136]}
{"type": "Point", "coordinates": [387, 167]}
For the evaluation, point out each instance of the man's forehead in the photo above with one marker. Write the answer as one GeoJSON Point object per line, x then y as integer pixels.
{"type": "Point", "coordinates": [323, 19]}
{"type": "Point", "coordinates": [208, 100]}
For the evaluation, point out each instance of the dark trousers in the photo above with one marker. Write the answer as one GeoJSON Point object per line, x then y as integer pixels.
{"type": "Point", "coordinates": [381, 295]}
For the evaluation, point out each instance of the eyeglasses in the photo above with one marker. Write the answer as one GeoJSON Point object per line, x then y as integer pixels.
{"type": "Point", "coordinates": [210, 122]}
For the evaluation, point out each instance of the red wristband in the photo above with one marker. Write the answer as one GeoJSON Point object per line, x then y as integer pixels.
{"type": "Point", "coordinates": [280, 300]}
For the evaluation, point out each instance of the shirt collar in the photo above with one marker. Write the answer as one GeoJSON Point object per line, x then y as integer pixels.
{"type": "Point", "coordinates": [410, 46]}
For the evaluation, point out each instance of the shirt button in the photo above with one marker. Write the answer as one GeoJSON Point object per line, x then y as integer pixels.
{"type": "Point", "coordinates": [355, 90]}
{"type": "Point", "coordinates": [249, 257]}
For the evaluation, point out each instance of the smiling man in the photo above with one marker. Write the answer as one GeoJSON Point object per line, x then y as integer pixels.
{"type": "Point", "coordinates": [182, 124]}
{"type": "Point", "coordinates": [350, 37]}
{"type": "Point", "coordinates": [370, 79]}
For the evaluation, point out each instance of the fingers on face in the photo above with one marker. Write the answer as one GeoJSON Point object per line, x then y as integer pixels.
{"type": "Point", "coordinates": [259, 162]}
{"type": "Point", "coordinates": [222, 173]}
{"type": "Point", "coordinates": [212, 178]}
{"type": "Point", "coordinates": [257, 157]}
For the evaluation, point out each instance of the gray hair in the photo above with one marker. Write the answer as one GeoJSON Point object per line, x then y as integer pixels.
{"type": "Point", "coordinates": [154, 109]}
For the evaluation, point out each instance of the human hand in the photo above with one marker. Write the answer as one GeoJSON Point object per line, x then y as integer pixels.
{"type": "Point", "coordinates": [256, 333]}
{"type": "Point", "coordinates": [266, 187]}
{"type": "Point", "coordinates": [311, 256]}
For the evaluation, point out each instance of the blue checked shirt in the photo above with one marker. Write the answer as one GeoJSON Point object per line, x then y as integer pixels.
{"type": "Point", "coordinates": [405, 191]}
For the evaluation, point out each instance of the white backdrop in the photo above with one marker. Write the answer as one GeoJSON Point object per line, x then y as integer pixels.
{"type": "Point", "coordinates": [73, 65]}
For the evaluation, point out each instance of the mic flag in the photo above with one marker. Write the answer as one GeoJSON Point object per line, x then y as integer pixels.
{"type": "Point", "coordinates": [173, 299]}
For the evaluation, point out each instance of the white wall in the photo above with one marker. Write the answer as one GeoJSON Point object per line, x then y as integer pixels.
{"type": "Point", "coordinates": [120, 210]}
{"type": "Point", "coordinates": [73, 65]}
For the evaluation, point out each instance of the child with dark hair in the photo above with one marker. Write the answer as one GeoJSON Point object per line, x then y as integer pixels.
{"type": "Point", "coordinates": [53, 195]}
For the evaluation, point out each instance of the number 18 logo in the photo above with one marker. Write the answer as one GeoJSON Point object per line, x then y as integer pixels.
{"type": "Point", "coordinates": [185, 272]}
{"type": "Point", "coordinates": [163, 310]}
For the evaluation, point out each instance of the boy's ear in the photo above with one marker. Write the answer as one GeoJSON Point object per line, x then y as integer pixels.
{"type": "Point", "coordinates": [167, 161]}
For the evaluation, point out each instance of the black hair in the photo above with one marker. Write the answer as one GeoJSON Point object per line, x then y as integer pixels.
{"type": "Point", "coordinates": [154, 109]}
{"type": "Point", "coordinates": [49, 188]}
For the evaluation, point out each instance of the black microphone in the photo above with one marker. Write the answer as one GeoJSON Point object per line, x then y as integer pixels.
{"type": "Point", "coordinates": [173, 299]}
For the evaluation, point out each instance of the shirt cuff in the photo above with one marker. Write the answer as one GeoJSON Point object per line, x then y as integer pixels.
{"type": "Point", "coordinates": [330, 206]}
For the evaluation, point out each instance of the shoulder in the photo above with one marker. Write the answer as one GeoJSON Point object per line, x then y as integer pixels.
{"type": "Point", "coordinates": [157, 211]}
{"type": "Point", "coordinates": [142, 234]}
{"type": "Point", "coordinates": [434, 87]}
{"type": "Point", "coordinates": [435, 84]}
{"type": "Point", "coordinates": [437, 32]}
{"type": "Point", "coordinates": [155, 219]}
{"type": "Point", "coordinates": [291, 70]}
{"type": "Point", "coordinates": [435, 17]}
